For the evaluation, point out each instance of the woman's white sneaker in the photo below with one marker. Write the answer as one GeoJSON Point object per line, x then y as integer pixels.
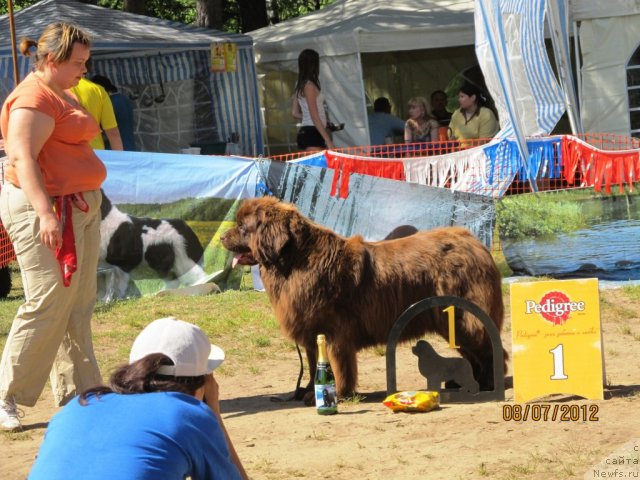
{"type": "Point", "coordinates": [9, 419]}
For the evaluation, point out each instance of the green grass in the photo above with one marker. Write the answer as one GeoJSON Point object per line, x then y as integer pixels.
{"type": "Point", "coordinates": [633, 292]}
{"type": "Point", "coordinates": [527, 216]}
{"type": "Point", "coordinates": [240, 321]}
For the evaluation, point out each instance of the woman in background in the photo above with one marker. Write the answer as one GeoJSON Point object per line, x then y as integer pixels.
{"type": "Point", "coordinates": [473, 119]}
{"type": "Point", "coordinates": [421, 125]}
{"type": "Point", "coordinates": [309, 104]}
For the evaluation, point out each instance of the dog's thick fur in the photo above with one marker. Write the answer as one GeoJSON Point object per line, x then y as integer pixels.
{"type": "Point", "coordinates": [167, 246]}
{"type": "Point", "coordinates": [353, 291]}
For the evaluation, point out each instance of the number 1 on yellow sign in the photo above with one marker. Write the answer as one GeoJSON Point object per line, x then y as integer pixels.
{"type": "Point", "coordinates": [452, 326]}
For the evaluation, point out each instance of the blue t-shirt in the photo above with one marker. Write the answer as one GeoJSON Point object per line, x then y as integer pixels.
{"type": "Point", "coordinates": [383, 125]}
{"type": "Point", "coordinates": [123, 110]}
{"type": "Point", "coordinates": [164, 435]}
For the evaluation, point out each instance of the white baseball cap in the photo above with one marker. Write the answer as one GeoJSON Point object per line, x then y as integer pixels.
{"type": "Point", "coordinates": [184, 343]}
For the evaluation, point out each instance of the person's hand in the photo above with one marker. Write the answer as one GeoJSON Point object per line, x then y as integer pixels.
{"type": "Point", "coordinates": [50, 231]}
{"type": "Point", "coordinates": [211, 398]}
{"type": "Point", "coordinates": [212, 393]}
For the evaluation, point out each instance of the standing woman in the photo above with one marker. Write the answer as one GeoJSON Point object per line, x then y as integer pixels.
{"type": "Point", "coordinates": [474, 119]}
{"type": "Point", "coordinates": [421, 126]}
{"type": "Point", "coordinates": [50, 206]}
{"type": "Point", "coordinates": [309, 104]}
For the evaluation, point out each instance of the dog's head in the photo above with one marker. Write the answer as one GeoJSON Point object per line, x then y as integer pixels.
{"type": "Point", "coordinates": [401, 232]}
{"type": "Point", "coordinates": [265, 227]}
{"type": "Point", "coordinates": [423, 349]}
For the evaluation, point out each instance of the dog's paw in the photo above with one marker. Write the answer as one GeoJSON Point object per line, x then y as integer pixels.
{"type": "Point", "coordinates": [309, 399]}
{"type": "Point", "coordinates": [300, 392]}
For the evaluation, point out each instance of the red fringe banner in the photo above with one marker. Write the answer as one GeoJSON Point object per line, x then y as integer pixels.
{"type": "Point", "coordinates": [344, 165]}
{"type": "Point", "coordinates": [594, 167]}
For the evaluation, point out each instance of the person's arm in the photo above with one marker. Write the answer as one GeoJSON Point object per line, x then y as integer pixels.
{"type": "Point", "coordinates": [456, 120]}
{"type": "Point", "coordinates": [409, 127]}
{"type": "Point", "coordinates": [295, 108]}
{"type": "Point", "coordinates": [397, 125]}
{"type": "Point", "coordinates": [115, 141]}
{"type": "Point", "coordinates": [311, 93]}
{"type": "Point", "coordinates": [108, 121]}
{"type": "Point", "coordinates": [488, 124]}
{"type": "Point", "coordinates": [28, 131]}
{"type": "Point", "coordinates": [211, 398]}
{"type": "Point", "coordinates": [434, 130]}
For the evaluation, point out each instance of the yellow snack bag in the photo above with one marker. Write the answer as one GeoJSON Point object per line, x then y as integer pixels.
{"type": "Point", "coordinates": [413, 401]}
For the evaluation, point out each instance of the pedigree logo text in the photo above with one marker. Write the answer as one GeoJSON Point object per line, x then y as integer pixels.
{"type": "Point", "coordinates": [555, 307]}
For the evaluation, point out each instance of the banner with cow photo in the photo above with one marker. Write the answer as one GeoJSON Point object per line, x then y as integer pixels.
{"type": "Point", "coordinates": [163, 215]}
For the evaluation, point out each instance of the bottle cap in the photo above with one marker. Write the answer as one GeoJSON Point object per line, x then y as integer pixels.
{"type": "Point", "coordinates": [321, 337]}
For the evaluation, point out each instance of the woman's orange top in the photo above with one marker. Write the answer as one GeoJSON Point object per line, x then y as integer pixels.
{"type": "Point", "coordinates": [67, 161]}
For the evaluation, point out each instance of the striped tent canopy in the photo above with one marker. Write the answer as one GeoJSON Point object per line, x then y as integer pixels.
{"type": "Point", "coordinates": [144, 56]}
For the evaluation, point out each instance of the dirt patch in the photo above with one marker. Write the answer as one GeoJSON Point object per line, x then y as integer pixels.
{"type": "Point", "coordinates": [281, 440]}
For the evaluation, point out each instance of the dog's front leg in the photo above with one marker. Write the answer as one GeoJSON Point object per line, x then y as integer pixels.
{"type": "Point", "coordinates": [344, 362]}
{"type": "Point", "coordinates": [308, 394]}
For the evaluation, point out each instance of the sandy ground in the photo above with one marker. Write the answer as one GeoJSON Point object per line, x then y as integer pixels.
{"type": "Point", "coordinates": [283, 440]}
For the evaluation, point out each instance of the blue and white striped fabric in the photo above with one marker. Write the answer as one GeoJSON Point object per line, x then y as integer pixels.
{"type": "Point", "coordinates": [511, 51]}
{"type": "Point", "coordinates": [6, 74]}
{"type": "Point", "coordinates": [558, 18]}
{"type": "Point", "coordinates": [240, 113]}
{"type": "Point", "coordinates": [235, 94]}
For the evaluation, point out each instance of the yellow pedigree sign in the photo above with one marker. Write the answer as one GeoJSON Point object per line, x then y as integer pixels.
{"type": "Point", "coordinates": [557, 340]}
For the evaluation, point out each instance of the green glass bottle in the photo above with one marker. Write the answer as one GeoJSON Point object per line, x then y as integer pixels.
{"type": "Point", "coordinates": [325, 382]}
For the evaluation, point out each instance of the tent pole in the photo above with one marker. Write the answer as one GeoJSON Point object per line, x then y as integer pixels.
{"type": "Point", "coordinates": [576, 45]}
{"type": "Point", "coordinates": [14, 52]}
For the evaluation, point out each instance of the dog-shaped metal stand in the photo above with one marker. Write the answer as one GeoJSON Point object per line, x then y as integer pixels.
{"type": "Point", "coordinates": [439, 371]}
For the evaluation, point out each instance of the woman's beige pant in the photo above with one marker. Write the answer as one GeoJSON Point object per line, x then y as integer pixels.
{"type": "Point", "coordinates": [51, 333]}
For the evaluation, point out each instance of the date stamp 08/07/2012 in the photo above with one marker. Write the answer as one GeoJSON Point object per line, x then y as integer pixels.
{"type": "Point", "coordinates": [547, 412]}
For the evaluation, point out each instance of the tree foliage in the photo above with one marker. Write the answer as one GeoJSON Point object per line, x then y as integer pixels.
{"type": "Point", "coordinates": [17, 5]}
{"type": "Point", "coordinates": [228, 15]}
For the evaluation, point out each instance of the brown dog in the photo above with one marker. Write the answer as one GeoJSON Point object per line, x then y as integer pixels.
{"type": "Point", "coordinates": [353, 291]}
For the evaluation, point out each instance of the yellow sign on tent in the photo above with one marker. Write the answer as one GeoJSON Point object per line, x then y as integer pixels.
{"type": "Point", "coordinates": [218, 63]}
{"type": "Point", "coordinates": [231, 57]}
{"type": "Point", "coordinates": [557, 339]}
{"type": "Point", "coordinates": [224, 57]}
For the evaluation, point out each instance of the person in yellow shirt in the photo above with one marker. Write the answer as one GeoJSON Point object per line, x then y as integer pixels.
{"type": "Point", "coordinates": [95, 100]}
{"type": "Point", "coordinates": [474, 120]}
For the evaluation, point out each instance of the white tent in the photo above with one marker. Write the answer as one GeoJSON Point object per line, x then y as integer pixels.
{"type": "Point", "coordinates": [343, 33]}
{"type": "Point", "coordinates": [609, 84]}
{"type": "Point", "coordinates": [164, 67]}
{"type": "Point", "coordinates": [358, 39]}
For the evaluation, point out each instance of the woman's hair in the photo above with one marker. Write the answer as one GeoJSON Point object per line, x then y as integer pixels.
{"type": "Point", "coordinates": [481, 98]}
{"type": "Point", "coordinates": [104, 82]}
{"type": "Point", "coordinates": [58, 40]}
{"type": "Point", "coordinates": [422, 103]}
{"type": "Point", "coordinates": [308, 69]}
{"type": "Point", "coordinates": [470, 89]}
{"type": "Point", "coordinates": [142, 377]}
